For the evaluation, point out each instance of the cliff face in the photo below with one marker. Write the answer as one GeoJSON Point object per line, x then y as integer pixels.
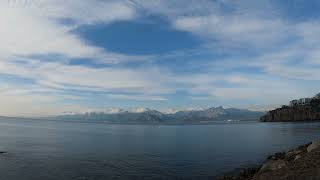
{"type": "Point", "coordinates": [310, 112]}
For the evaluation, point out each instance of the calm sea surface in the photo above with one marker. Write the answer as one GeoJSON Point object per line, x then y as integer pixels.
{"type": "Point", "coordinates": [53, 150]}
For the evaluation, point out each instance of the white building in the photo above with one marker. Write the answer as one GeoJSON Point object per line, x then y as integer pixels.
{"type": "Point", "coordinates": [302, 101]}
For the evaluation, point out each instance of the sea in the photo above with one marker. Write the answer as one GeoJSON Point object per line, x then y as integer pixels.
{"type": "Point", "coordinates": [78, 150]}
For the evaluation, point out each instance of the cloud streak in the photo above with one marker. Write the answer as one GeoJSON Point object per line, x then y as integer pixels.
{"type": "Point", "coordinates": [250, 54]}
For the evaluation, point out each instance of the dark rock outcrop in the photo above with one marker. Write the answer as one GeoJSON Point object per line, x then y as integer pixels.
{"type": "Point", "coordinates": [300, 163]}
{"type": "Point", "coordinates": [295, 164]}
{"type": "Point", "coordinates": [244, 174]}
{"type": "Point", "coordinates": [308, 112]}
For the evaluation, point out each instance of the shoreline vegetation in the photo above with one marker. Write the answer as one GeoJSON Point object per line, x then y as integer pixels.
{"type": "Point", "coordinates": [302, 162]}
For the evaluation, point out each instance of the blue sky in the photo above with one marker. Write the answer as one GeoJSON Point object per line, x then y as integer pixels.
{"type": "Point", "coordinates": [58, 56]}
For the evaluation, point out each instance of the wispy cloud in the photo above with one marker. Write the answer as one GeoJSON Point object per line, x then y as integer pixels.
{"type": "Point", "coordinates": [38, 28]}
{"type": "Point", "coordinates": [250, 54]}
{"type": "Point", "coordinates": [60, 76]}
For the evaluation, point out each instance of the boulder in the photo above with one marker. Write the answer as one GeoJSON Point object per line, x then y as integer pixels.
{"type": "Point", "coordinates": [291, 155]}
{"type": "Point", "coordinates": [314, 145]}
{"type": "Point", "coordinates": [277, 156]}
{"type": "Point", "coordinates": [297, 157]}
{"type": "Point", "coordinates": [273, 165]}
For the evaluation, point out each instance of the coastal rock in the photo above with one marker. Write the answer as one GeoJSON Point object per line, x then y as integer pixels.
{"type": "Point", "coordinates": [297, 157]}
{"type": "Point", "coordinates": [299, 163]}
{"type": "Point", "coordinates": [306, 165]}
{"type": "Point", "coordinates": [273, 165]}
{"type": "Point", "coordinates": [244, 174]}
{"type": "Point", "coordinates": [314, 145]}
{"type": "Point", "coordinates": [277, 156]}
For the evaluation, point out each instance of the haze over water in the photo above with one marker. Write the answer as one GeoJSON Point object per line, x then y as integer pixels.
{"type": "Point", "coordinates": [57, 150]}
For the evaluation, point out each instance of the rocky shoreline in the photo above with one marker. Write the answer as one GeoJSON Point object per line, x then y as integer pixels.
{"type": "Point", "coordinates": [299, 163]}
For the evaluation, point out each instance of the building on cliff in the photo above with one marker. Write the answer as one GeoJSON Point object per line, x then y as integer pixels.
{"type": "Point", "coordinates": [305, 109]}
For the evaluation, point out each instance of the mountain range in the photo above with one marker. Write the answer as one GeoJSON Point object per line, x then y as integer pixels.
{"type": "Point", "coordinates": [149, 116]}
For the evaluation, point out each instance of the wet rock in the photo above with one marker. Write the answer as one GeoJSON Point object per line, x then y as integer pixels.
{"type": "Point", "coordinates": [277, 156]}
{"type": "Point", "coordinates": [304, 147]}
{"type": "Point", "coordinates": [247, 173]}
{"type": "Point", "coordinates": [244, 174]}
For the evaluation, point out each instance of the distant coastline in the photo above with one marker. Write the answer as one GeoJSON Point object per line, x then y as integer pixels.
{"type": "Point", "coordinates": [149, 116]}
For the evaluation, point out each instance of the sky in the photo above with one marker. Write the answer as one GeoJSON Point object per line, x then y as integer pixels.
{"type": "Point", "coordinates": [66, 55]}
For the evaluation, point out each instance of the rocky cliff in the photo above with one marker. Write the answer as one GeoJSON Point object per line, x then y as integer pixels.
{"type": "Point", "coordinates": [308, 112]}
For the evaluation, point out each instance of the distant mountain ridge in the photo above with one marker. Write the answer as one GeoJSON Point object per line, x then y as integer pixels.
{"type": "Point", "coordinates": [149, 116]}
